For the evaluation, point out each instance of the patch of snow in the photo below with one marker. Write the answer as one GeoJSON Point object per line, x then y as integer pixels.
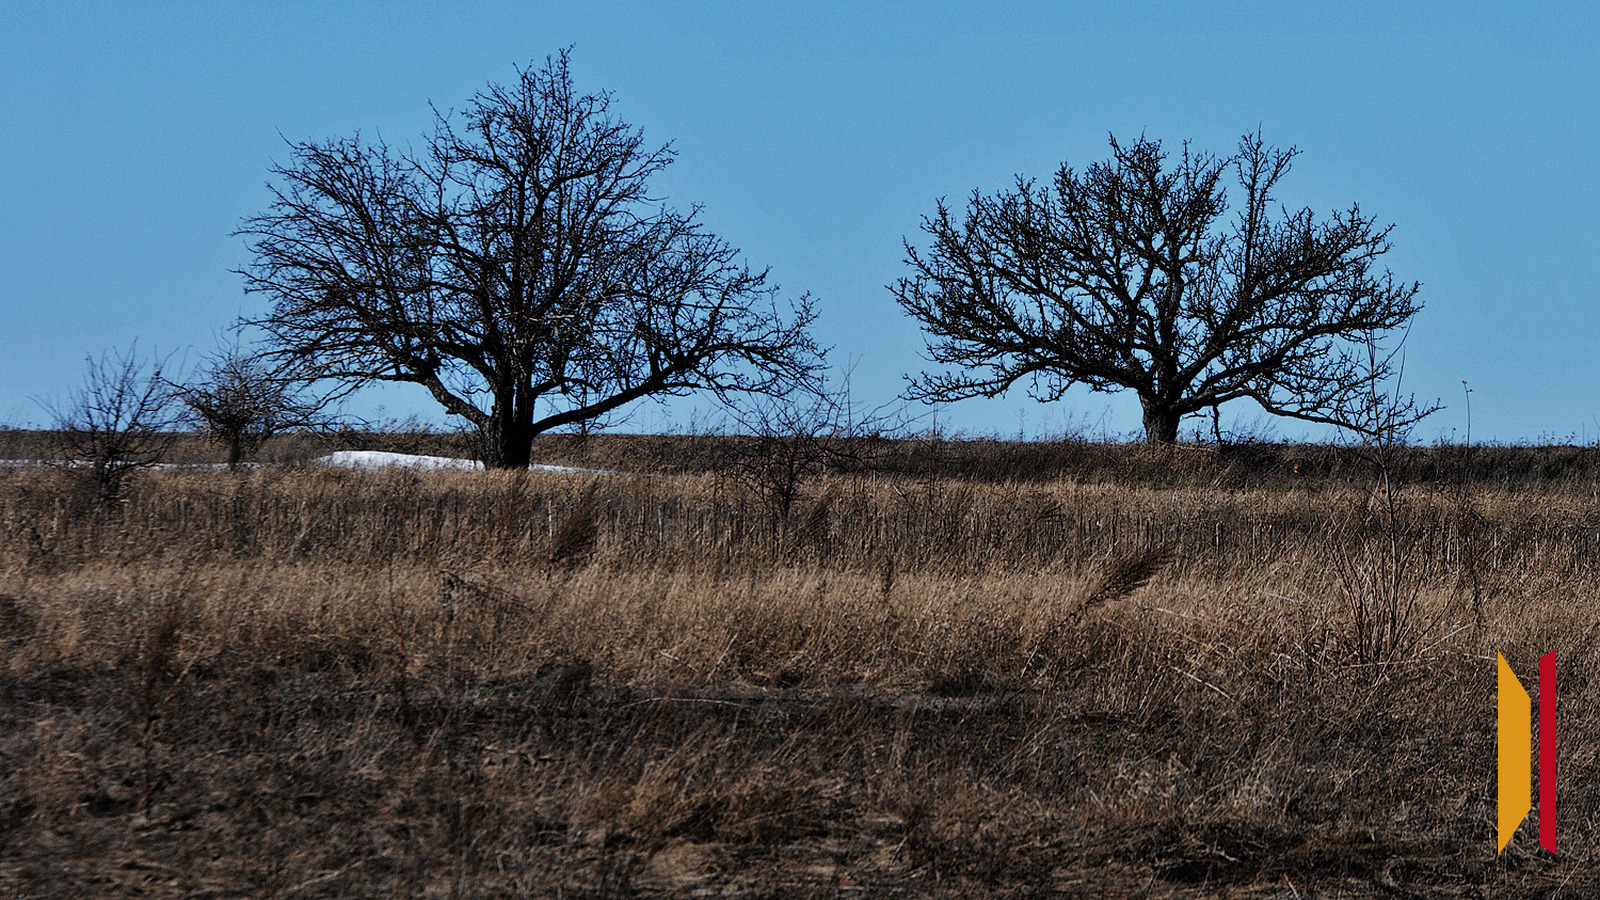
{"type": "Point", "coordinates": [365, 460]}
{"type": "Point", "coordinates": [82, 464]}
{"type": "Point", "coordinates": [370, 460]}
{"type": "Point", "coordinates": [571, 470]}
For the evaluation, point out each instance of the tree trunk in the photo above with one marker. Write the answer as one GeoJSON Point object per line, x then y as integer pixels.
{"type": "Point", "coordinates": [507, 442]}
{"type": "Point", "coordinates": [1160, 423]}
{"type": "Point", "coordinates": [235, 451]}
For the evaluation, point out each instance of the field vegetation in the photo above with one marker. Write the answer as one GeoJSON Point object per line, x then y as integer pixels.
{"type": "Point", "coordinates": [944, 668]}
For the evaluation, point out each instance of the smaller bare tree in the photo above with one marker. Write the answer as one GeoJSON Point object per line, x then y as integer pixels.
{"type": "Point", "coordinates": [118, 421]}
{"type": "Point", "coordinates": [1133, 275]}
{"type": "Point", "coordinates": [788, 440]}
{"type": "Point", "coordinates": [240, 399]}
{"type": "Point", "coordinates": [1379, 573]}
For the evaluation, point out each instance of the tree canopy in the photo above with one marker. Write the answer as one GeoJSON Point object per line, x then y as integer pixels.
{"type": "Point", "coordinates": [517, 267]}
{"type": "Point", "coordinates": [1131, 275]}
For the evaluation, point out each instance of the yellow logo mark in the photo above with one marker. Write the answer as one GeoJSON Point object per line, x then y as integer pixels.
{"type": "Point", "coordinates": [1516, 752]}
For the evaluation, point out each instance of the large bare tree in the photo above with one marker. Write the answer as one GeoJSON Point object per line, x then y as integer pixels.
{"type": "Point", "coordinates": [1131, 276]}
{"type": "Point", "coordinates": [517, 267]}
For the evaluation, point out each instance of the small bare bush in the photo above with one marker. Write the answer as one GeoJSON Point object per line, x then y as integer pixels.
{"type": "Point", "coordinates": [1376, 564]}
{"type": "Point", "coordinates": [785, 442]}
{"type": "Point", "coordinates": [241, 399]}
{"type": "Point", "coordinates": [121, 419]}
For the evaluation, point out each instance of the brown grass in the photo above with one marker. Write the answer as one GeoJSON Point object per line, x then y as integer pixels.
{"type": "Point", "coordinates": [302, 683]}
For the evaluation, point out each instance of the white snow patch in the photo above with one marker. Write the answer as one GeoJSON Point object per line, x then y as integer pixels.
{"type": "Point", "coordinates": [365, 460]}
{"type": "Point", "coordinates": [573, 470]}
{"type": "Point", "coordinates": [370, 460]}
{"type": "Point", "coordinates": [82, 464]}
{"type": "Point", "coordinates": [378, 459]}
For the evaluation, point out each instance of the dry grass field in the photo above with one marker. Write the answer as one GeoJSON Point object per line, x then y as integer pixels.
{"type": "Point", "coordinates": [967, 670]}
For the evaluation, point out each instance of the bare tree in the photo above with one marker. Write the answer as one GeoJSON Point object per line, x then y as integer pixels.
{"type": "Point", "coordinates": [518, 268]}
{"type": "Point", "coordinates": [1377, 559]}
{"type": "Point", "coordinates": [785, 441]}
{"type": "Point", "coordinates": [1130, 276]}
{"type": "Point", "coordinates": [241, 398]}
{"type": "Point", "coordinates": [118, 421]}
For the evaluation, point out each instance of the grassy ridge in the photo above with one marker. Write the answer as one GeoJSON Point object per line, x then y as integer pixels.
{"type": "Point", "coordinates": [1235, 466]}
{"type": "Point", "coordinates": [307, 683]}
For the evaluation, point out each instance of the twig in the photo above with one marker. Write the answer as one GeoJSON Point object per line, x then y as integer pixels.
{"type": "Point", "coordinates": [1200, 681]}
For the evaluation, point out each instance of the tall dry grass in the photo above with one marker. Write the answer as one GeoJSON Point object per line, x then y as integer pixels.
{"type": "Point", "coordinates": [315, 683]}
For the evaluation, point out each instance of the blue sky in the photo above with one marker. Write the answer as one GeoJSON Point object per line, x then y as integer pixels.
{"type": "Point", "coordinates": [135, 137]}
